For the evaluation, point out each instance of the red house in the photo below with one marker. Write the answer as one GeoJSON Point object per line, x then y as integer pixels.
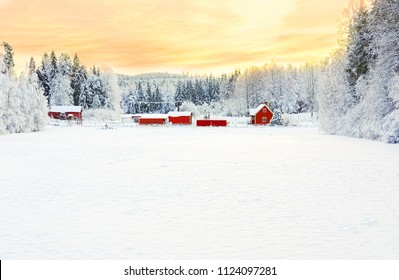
{"type": "Point", "coordinates": [261, 115]}
{"type": "Point", "coordinates": [180, 117]}
{"type": "Point", "coordinates": [66, 113]}
{"type": "Point", "coordinates": [153, 119]}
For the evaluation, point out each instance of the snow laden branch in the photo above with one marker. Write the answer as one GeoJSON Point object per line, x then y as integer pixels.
{"type": "Point", "coordinates": [22, 104]}
{"type": "Point", "coordinates": [359, 91]}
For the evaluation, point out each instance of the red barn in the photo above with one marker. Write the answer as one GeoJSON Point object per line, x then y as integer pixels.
{"type": "Point", "coordinates": [211, 123]}
{"type": "Point", "coordinates": [261, 115]}
{"type": "Point", "coordinates": [180, 117]}
{"type": "Point", "coordinates": [66, 113]}
{"type": "Point", "coordinates": [153, 119]}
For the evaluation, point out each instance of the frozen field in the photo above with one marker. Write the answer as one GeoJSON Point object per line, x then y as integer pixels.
{"type": "Point", "coordinates": [197, 193]}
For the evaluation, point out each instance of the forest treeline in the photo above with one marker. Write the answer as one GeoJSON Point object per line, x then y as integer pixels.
{"type": "Point", "coordinates": [353, 92]}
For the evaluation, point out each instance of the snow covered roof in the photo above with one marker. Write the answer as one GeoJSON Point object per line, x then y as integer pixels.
{"type": "Point", "coordinates": [179, 114]}
{"type": "Point", "coordinates": [64, 109]}
{"type": "Point", "coordinates": [253, 112]}
{"type": "Point", "coordinates": [154, 116]}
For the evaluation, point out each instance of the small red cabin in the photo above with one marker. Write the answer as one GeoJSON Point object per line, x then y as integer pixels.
{"type": "Point", "coordinates": [180, 117]}
{"type": "Point", "coordinates": [211, 123]}
{"type": "Point", "coordinates": [66, 113]}
{"type": "Point", "coordinates": [152, 119]}
{"type": "Point", "coordinates": [261, 115]}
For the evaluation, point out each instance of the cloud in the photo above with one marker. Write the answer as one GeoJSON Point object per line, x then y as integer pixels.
{"type": "Point", "coordinates": [308, 14]}
{"type": "Point", "coordinates": [174, 34]}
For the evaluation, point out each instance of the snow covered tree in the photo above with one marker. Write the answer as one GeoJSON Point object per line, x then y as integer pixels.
{"type": "Point", "coordinates": [92, 98]}
{"type": "Point", "coordinates": [79, 82]}
{"type": "Point", "coordinates": [23, 108]}
{"type": "Point", "coordinates": [179, 96]}
{"type": "Point", "coordinates": [275, 88]}
{"type": "Point", "coordinates": [61, 91]}
{"type": "Point", "coordinates": [291, 92]}
{"type": "Point", "coordinates": [228, 85]}
{"type": "Point", "coordinates": [32, 67]}
{"type": "Point", "coordinates": [308, 84]}
{"type": "Point", "coordinates": [65, 65]}
{"type": "Point", "coordinates": [53, 67]}
{"type": "Point", "coordinates": [129, 103]}
{"type": "Point", "coordinates": [8, 58]}
{"type": "Point", "coordinates": [334, 97]}
{"type": "Point", "coordinates": [381, 96]}
{"type": "Point", "coordinates": [110, 90]}
{"type": "Point", "coordinates": [34, 105]}
{"type": "Point", "coordinates": [149, 98]}
{"type": "Point", "coordinates": [359, 55]}
{"type": "Point", "coordinates": [54, 78]}
{"type": "Point", "coordinates": [44, 76]}
{"type": "Point", "coordinates": [159, 101]}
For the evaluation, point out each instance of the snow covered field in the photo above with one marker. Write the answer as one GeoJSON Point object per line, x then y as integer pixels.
{"type": "Point", "coordinates": [197, 193]}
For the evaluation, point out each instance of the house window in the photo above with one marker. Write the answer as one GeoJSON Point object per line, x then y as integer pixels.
{"type": "Point", "coordinates": [264, 110]}
{"type": "Point", "coordinates": [264, 119]}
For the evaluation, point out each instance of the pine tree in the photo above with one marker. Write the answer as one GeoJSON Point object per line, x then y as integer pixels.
{"type": "Point", "coordinates": [110, 91]}
{"type": "Point", "coordinates": [149, 99]}
{"type": "Point", "coordinates": [65, 65]}
{"type": "Point", "coordinates": [93, 97]}
{"type": "Point", "coordinates": [79, 82]}
{"type": "Point", "coordinates": [198, 93]}
{"type": "Point", "coordinates": [32, 67]}
{"type": "Point", "coordinates": [382, 97]}
{"type": "Point", "coordinates": [61, 91]}
{"type": "Point", "coordinates": [142, 98]}
{"type": "Point", "coordinates": [179, 98]}
{"type": "Point", "coordinates": [8, 58]}
{"type": "Point", "coordinates": [43, 74]}
{"type": "Point", "coordinates": [359, 55]}
{"type": "Point", "coordinates": [23, 107]}
{"type": "Point", "coordinates": [129, 103]}
{"type": "Point", "coordinates": [159, 100]}
{"type": "Point", "coordinates": [190, 92]}
{"type": "Point", "coordinates": [53, 67]}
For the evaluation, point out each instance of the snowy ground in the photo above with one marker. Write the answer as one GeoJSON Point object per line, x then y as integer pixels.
{"type": "Point", "coordinates": [197, 193]}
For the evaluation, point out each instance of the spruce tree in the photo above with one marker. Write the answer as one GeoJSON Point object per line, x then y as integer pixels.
{"type": "Point", "coordinates": [65, 65]}
{"type": "Point", "coordinates": [8, 58]}
{"type": "Point", "coordinates": [141, 102]}
{"type": "Point", "coordinates": [53, 67]}
{"type": "Point", "coordinates": [359, 55]}
{"type": "Point", "coordinates": [78, 82]}
{"type": "Point", "coordinates": [32, 66]}
{"type": "Point", "coordinates": [43, 74]}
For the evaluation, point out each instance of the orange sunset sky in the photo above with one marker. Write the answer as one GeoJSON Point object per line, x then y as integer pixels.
{"type": "Point", "coordinates": [134, 36]}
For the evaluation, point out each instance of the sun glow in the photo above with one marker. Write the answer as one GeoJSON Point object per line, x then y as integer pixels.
{"type": "Point", "coordinates": [175, 36]}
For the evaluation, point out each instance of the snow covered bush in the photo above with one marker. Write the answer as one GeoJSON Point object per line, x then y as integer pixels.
{"type": "Point", "coordinates": [277, 119]}
{"type": "Point", "coordinates": [23, 108]}
{"type": "Point", "coordinates": [101, 114]}
{"type": "Point", "coordinates": [235, 107]}
{"type": "Point", "coordinates": [301, 120]}
{"type": "Point", "coordinates": [190, 107]}
{"type": "Point", "coordinates": [213, 109]}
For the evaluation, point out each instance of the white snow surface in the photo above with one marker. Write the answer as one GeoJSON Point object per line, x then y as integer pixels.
{"type": "Point", "coordinates": [179, 114]}
{"type": "Point", "coordinates": [254, 111]}
{"type": "Point", "coordinates": [64, 109]}
{"type": "Point", "coordinates": [154, 116]}
{"type": "Point", "coordinates": [197, 193]}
